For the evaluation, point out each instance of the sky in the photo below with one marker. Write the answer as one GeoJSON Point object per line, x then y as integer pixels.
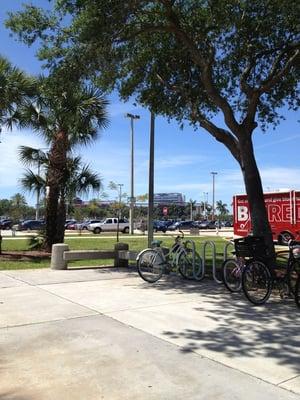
{"type": "Point", "coordinates": [184, 159]}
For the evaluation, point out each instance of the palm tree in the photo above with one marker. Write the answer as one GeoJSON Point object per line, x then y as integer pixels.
{"type": "Point", "coordinates": [66, 115]}
{"type": "Point", "coordinates": [15, 88]}
{"type": "Point", "coordinates": [81, 179]}
{"type": "Point", "coordinates": [18, 206]}
{"type": "Point", "coordinates": [222, 208]}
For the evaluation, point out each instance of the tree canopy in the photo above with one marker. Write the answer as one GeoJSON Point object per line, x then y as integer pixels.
{"type": "Point", "coordinates": [185, 59]}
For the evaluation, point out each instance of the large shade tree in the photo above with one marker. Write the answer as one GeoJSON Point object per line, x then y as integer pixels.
{"type": "Point", "coordinates": [186, 59]}
{"type": "Point", "coordinates": [66, 114]}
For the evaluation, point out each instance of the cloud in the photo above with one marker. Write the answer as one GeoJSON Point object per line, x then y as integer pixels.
{"type": "Point", "coordinates": [178, 161]}
{"type": "Point", "coordinates": [275, 142]}
{"type": "Point", "coordinates": [11, 168]}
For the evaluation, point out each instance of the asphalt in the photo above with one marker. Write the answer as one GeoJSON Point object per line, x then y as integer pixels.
{"type": "Point", "coordinates": [106, 334]}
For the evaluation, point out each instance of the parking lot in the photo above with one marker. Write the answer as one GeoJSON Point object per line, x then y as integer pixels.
{"type": "Point", "coordinates": [106, 334]}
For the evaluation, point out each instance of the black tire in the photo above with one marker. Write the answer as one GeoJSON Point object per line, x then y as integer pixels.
{"type": "Point", "coordinates": [185, 266]}
{"type": "Point", "coordinates": [297, 292]}
{"type": "Point", "coordinates": [232, 275]}
{"type": "Point", "coordinates": [257, 282]}
{"type": "Point", "coordinates": [150, 266]}
{"type": "Point", "coordinates": [97, 231]}
{"type": "Point", "coordinates": [126, 230]}
{"type": "Point", "coordinates": [293, 275]}
{"type": "Point", "coordinates": [284, 238]}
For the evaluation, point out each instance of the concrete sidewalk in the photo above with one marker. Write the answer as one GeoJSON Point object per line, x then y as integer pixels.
{"type": "Point", "coordinates": [106, 334]}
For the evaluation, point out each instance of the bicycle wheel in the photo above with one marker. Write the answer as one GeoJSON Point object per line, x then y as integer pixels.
{"type": "Point", "coordinates": [297, 292]}
{"type": "Point", "coordinates": [150, 266]}
{"type": "Point", "coordinates": [232, 275]}
{"type": "Point", "coordinates": [257, 282]}
{"type": "Point", "coordinates": [187, 268]}
{"type": "Point", "coordinates": [292, 275]}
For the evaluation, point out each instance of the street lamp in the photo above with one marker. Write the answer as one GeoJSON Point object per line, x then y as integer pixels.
{"type": "Point", "coordinates": [132, 199]}
{"type": "Point", "coordinates": [205, 194]}
{"type": "Point", "coordinates": [213, 194]}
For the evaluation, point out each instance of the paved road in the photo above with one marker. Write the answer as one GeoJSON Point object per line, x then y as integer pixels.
{"type": "Point", "coordinates": [225, 232]}
{"type": "Point", "coordinates": [105, 334]}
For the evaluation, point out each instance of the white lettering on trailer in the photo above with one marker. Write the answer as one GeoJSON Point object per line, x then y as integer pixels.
{"type": "Point", "coordinates": [242, 213]}
{"type": "Point", "coordinates": [274, 213]}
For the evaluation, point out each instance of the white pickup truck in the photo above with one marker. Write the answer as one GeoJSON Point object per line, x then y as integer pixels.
{"type": "Point", "coordinates": [109, 225]}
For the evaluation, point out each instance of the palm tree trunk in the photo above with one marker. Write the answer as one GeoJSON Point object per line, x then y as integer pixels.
{"type": "Point", "coordinates": [55, 179]}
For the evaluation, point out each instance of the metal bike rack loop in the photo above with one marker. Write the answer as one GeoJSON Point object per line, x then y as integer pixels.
{"type": "Point", "coordinates": [198, 271]}
{"type": "Point", "coordinates": [225, 251]}
{"type": "Point", "coordinates": [213, 248]}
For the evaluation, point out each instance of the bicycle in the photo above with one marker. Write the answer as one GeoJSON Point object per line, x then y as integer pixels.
{"type": "Point", "coordinates": [232, 273]}
{"type": "Point", "coordinates": [232, 268]}
{"type": "Point", "coordinates": [259, 278]}
{"type": "Point", "coordinates": [153, 262]}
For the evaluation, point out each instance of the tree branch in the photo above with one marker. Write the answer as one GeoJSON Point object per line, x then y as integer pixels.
{"type": "Point", "coordinates": [274, 78]}
{"type": "Point", "coordinates": [221, 135]}
{"type": "Point", "coordinates": [205, 66]}
{"type": "Point", "coordinates": [245, 87]}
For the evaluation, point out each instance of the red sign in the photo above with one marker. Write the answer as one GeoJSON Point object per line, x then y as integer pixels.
{"type": "Point", "coordinates": [283, 210]}
{"type": "Point", "coordinates": [165, 211]}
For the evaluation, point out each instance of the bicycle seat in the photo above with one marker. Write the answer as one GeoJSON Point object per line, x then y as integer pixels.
{"type": "Point", "coordinates": [156, 243]}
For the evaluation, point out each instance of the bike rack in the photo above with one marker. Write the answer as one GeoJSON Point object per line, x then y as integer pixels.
{"type": "Point", "coordinates": [199, 274]}
{"type": "Point", "coordinates": [213, 247]}
{"type": "Point", "coordinates": [225, 251]}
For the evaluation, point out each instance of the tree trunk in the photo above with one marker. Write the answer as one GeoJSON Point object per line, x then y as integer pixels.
{"type": "Point", "coordinates": [254, 190]}
{"type": "Point", "coordinates": [55, 180]}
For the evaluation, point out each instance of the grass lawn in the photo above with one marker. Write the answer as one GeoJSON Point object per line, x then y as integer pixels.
{"type": "Point", "coordinates": [102, 243]}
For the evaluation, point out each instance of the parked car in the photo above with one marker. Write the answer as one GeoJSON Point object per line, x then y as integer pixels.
{"type": "Point", "coordinates": [182, 225]}
{"type": "Point", "coordinates": [227, 224]}
{"type": "Point", "coordinates": [30, 225]}
{"type": "Point", "coordinates": [6, 224]}
{"type": "Point", "coordinates": [84, 225]}
{"type": "Point", "coordinates": [207, 225]}
{"type": "Point", "coordinates": [110, 225]}
{"type": "Point", "coordinates": [70, 223]}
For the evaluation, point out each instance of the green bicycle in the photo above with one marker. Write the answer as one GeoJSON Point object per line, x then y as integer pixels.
{"type": "Point", "coordinates": [153, 262]}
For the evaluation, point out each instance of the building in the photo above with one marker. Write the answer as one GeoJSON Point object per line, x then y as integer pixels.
{"type": "Point", "coordinates": [168, 199]}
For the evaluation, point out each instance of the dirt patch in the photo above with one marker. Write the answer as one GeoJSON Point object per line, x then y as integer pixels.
{"type": "Point", "coordinates": [24, 256]}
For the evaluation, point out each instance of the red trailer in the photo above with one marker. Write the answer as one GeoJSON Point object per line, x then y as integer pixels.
{"type": "Point", "coordinates": [283, 213]}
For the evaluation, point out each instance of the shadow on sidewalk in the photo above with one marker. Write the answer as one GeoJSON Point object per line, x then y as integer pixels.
{"type": "Point", "coordinates": [240, 329]}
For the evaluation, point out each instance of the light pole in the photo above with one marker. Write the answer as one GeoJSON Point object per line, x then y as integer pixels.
{"type": "Point", "coordinates": [151, 180]}
{"type": "Point", "coordinates": [213, 194]}
{"type": "Point", "coordinates": [119, 213]}
{"type": "Point", "coordinates": [132, 199]}
{"type": "Point", "coordinates": [205, 194]}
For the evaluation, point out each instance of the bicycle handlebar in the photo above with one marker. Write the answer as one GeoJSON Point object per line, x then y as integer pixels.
{"type": "Point", "coordinates": [292, 243]}
{"type": "Point", "coordinates": [179, 237]}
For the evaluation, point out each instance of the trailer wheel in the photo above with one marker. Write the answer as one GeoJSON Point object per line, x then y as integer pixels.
{"type": "Point", "coordinates": [284, 238]}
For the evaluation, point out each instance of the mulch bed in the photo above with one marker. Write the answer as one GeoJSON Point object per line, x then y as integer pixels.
{"type": "Point", "coordinates": [24, 256]}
